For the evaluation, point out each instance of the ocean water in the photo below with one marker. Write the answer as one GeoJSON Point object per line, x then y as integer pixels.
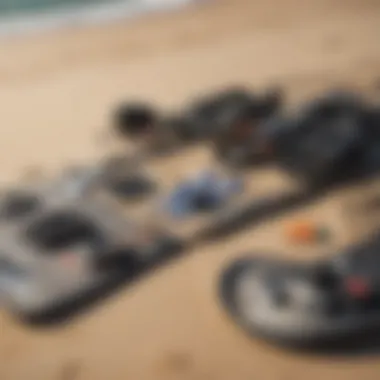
{"type": "Point", "coordinates": [17, 7]}
{"type": "Point", "coordinates": [20, 16]}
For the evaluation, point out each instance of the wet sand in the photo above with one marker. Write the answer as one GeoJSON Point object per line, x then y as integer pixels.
{"type": "Point", "coordinates": [56, 92]}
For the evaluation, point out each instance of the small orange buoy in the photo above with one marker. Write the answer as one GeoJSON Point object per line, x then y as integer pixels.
{"type": "Point", "coordinates": [303, 233]}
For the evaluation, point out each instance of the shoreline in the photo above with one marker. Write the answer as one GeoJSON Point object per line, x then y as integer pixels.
{"type": "Point", "coordinates": [85, 15]}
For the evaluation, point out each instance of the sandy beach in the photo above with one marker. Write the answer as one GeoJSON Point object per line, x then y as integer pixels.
{"type": "Point", "coordinates": [56, 93]}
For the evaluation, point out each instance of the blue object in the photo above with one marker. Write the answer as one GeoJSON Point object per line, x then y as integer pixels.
{"type": "Point", "coordinates": [205, 193]}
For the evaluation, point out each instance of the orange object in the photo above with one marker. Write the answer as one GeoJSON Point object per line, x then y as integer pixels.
{"type": "Point", "coordinates": [303, 232]}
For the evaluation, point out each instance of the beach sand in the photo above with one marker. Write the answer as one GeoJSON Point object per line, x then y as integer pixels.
{"type": "Point", "coordinates": [56, 92]}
